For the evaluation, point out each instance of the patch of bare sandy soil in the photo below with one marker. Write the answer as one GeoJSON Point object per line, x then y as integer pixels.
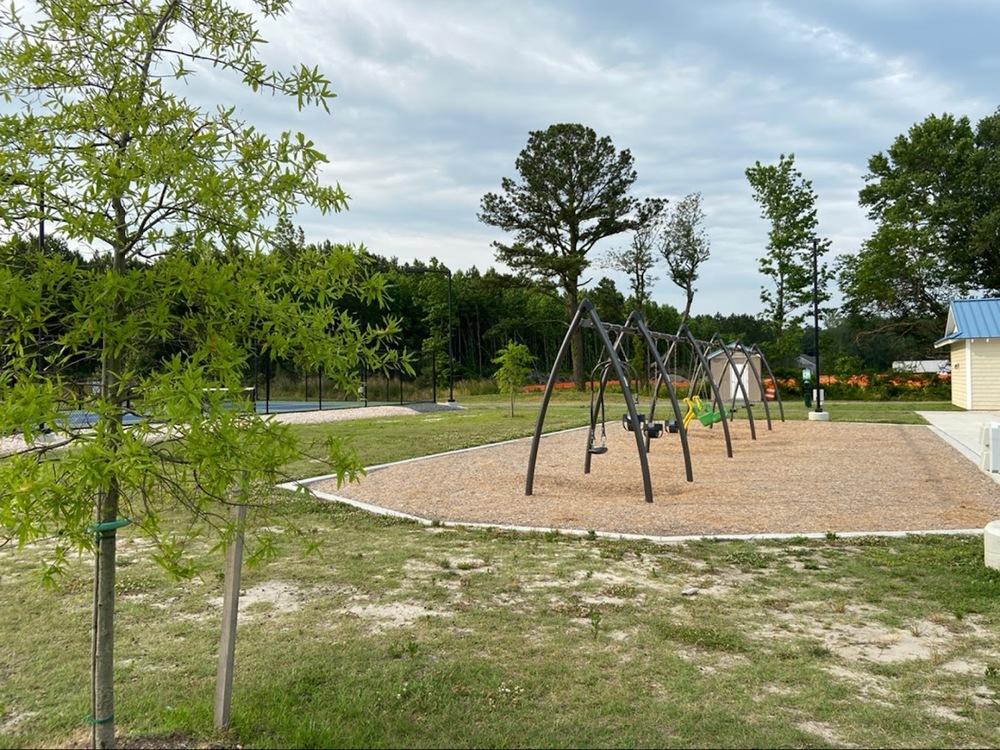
{"type": "Point", "coordinates": [798, 477]}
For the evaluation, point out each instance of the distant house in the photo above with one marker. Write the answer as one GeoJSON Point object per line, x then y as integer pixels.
{"type": "Point", "coordinates": [973, 336]}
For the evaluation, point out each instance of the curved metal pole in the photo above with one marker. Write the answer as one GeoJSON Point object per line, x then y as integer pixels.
{"type": "Point", "coordinates": [760, 383]}
{"type": "Point", "coordinates": [546, 397]}
{"type": "Point", "coordinates": [626, 392]}
{"type": "Point", "coordinates": [717, 395]}
{"type": "Point", "coordinates": [777, 391]}
{"type": "Point", "coordinates": [587, 307]}
{"type": "Point", "coordinates": [662, 373]}
{"type": "Point", "coordinates": [731, 364]}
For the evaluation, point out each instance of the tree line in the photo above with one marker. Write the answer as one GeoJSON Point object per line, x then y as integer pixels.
{"type": "Point", "coordinates": [930, 194]}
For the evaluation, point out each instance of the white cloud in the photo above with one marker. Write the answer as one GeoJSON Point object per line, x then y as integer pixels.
{"type": "Point", "coordinates": [436, 99]}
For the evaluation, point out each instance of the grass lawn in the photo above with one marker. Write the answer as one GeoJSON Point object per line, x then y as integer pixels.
{"type": "Point", "coordinates": [395, 634]}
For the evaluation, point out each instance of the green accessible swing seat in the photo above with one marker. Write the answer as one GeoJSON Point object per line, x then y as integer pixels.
{"type": "Point", "coordinates": [703, 412]}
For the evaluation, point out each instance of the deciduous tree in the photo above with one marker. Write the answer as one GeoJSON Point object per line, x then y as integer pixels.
{"type": "Point", "coordinates": [934, 196]}
{"type": "Point", "coordinates": [685, 246]}
{"type": "Point", "coordinates": [175, 199]}
{"type": "Point", "coordinates": [638, 260]}
{"type": "Point", "coordinates": [515, 364]}
{"type": "Point", "coordinates": [788, 202]}
{"type": "Point", "coordinates": [572, 192]}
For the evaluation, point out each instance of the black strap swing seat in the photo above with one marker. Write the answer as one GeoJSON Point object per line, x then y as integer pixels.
{"type": "Point", "coordinates": [596, 450]}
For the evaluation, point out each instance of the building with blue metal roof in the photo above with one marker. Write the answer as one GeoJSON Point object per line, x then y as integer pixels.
{"type": "Point", "coordinates": [973, 335]}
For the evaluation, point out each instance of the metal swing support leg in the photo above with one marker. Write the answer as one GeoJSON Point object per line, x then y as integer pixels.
{"type": "Point", "coordinates": [587, 309]}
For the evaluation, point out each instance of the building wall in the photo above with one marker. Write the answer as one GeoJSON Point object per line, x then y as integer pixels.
{"type": "Point", "coordinates": [726, 377]}
{"type": "Point", "coordinates": [958, 374]}
{"type": "Point", "coordinates": [985, 356]}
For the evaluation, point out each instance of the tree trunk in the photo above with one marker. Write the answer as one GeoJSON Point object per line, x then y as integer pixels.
{"type": "Point", "coordinates": [104, 631]}
{"type": "Point", "coordinates": [576, 349]}
{"type": "Point", "coordinates": [688, 302]}
{"type": "Point", "coordinates": [108, 501]}
{"type": "Point", "coordinates": [576, 341]}
{"type": "Point", "coordinates": [109, 430]}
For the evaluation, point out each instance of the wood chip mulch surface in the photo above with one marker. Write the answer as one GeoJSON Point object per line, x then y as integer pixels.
{"type": "Point", "coordinates": [798, 477]}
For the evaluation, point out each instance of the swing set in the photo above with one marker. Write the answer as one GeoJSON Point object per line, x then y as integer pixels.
{"type": "Point", "coordinates": [615, 365]}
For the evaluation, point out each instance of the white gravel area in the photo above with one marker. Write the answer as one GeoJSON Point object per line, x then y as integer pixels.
{"type": "Point", "coordinates": [363, 412]}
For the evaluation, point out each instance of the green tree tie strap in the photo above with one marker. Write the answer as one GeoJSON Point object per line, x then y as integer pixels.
{"type": "Point", "coordinates": [98, 529]}
{"type": "Point", "coordinates": [92, 721]}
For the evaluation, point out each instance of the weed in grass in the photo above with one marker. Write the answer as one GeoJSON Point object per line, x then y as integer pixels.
{"type": "Point", "coordinates": [595, 622]}
{"type": "Point", "coordinates": [620, 591]}
{"type": "Point", "coordinates": [891, 669]}
{"type": "Point", "coordinates": [505, 696]}
{"type": "Point", "coordinates": [129, 582]}
{"type": "Point", "coordinates": [937, 657]}
{"type": "Point", "coordinates": [708, 636]}
{"type": "Point", "coordinates": [400, 650]}
{"type": "Point", "coordinates": [817, 650]}
{"type": "Point", "coordinates": [591, 535]}
{"type": "Point", "coordinates": [837, 605]}
{"type": "Point", "coordinates": [811, 565]}
{"type": "Point", "coordinates": [748, 559]}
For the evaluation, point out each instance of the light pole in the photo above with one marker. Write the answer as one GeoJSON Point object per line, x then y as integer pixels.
{"type": "Point", "coordinates": [451, 358]}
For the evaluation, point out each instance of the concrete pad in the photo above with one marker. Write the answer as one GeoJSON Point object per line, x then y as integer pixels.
{"type": "Point", "coordinates": [963, 431]}
{"type": "Point", "coordinates": [991, 545]}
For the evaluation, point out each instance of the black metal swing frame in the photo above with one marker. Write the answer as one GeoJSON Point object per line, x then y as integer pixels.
{"type": "Point", "coordinates": [586, 316]}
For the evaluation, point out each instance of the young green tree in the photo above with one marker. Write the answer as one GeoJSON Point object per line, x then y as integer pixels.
{"type": "Point", "coordinates": [788, 202]}
{"type": "Point", "coordinates": [573, 192]}
{"type": "Point", "coordinates": [174, 199]}
{"type": "Point", "coordinates": [685, 246]}
{"type": "Point", "coordinates": [515, 364]}
{"type": "Point", "coordinates": [638, 260]}
{"type": "Point", "coordinates": [934, 196]}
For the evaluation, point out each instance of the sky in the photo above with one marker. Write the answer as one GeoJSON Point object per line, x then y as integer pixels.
{"type": "Point", "coordinates": [436, 98]}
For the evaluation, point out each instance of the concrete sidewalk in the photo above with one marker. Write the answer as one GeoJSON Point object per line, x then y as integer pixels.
{"type": "Point", "coordinates": [962, 430]}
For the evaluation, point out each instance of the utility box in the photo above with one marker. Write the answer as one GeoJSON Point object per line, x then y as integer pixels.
{"type": "Point", "coordinates": [989, 441]}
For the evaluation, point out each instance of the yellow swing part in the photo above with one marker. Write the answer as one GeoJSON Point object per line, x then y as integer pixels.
{"type": "Point", "coordinates": [703, 412]}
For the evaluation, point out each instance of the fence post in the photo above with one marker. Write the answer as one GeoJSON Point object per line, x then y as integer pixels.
{"type": "Point", "coordinates": [230, 609]}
